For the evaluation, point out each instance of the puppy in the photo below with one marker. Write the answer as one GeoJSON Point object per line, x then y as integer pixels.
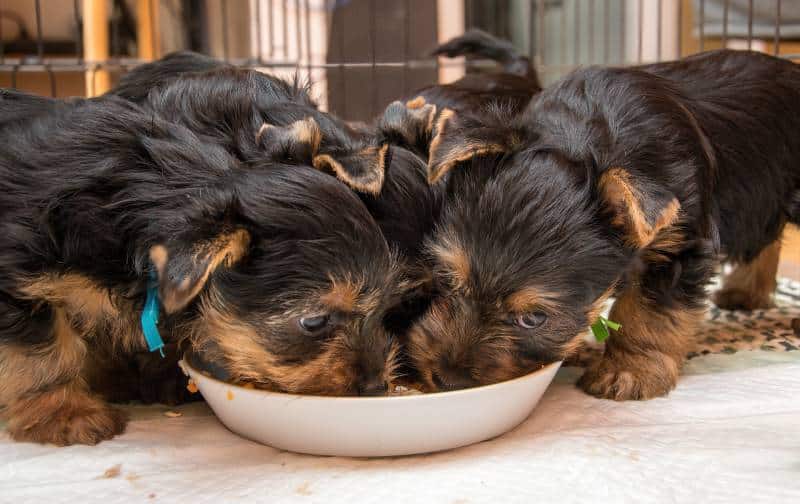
{"type": "Point", "coordinates": [275, 272]}
{"type": "Point", "coordinates": [408, 209]}
{"type": "Point", "coordinates": [614, 181]}
{"type": "Point", "coordinates": [115, 376]}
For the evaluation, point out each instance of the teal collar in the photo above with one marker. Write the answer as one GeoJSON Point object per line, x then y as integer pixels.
{"type": "Point", "coordinates": [150, 316]}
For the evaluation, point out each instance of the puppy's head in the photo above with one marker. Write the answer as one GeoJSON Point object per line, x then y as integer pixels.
{"type": "Point", "coordinates": [283, 280]}
{"type": "Point", "coordinates": [529, 246]}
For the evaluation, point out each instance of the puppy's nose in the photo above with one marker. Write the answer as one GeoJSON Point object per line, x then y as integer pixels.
{"type": "Point", "coordinates": [447, 381]}
{"type": "Point", "coordinates": [373, 387]}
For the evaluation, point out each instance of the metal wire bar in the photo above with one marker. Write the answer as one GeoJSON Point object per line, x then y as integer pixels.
{"type": "Point", "coordinates": [39, 38]}
{"type": "Point", "coordinates": [606, 31]}
{"type": "Point", "coordinates": [284, 9]}
{"type": "Point", "coordinates": [51, 78]}
{"type": "Point", "coordinates": [298, 35]}
{"type": "Point", "coordinates": [590, 31]}
{"type": "Point", "coordinates": [373, 73]}
{"type": "Point", "coordinates": [576, 50]}
{"type": "Point", "coordinates": [777, 43]}
{"type": "Point", "coordinates": [40, 48]}
{"type": "Point", "coordinates": [343, 69]}
{"type": "Point", "coordinates": [702, 22]}
{"type": "Point", "coordinates": [623, 30]}
{"type": "Point", "coordinates": [272, 31]}
{"type": "Point", "coordinates": [540, 12]}
{"type": "Point", "coordinates": [639, 23]}
{"type": "Point", "coordinates": [658, 31]}
{"type": "Point", "coordinates": [563, 37]}
{"type": "Point", "coordinates": [407, 38]}
{"type": "Point", "coordinates": [115, 49]}
{"type": "Point", "coordinates": [308, 37]}
{"type": "Point", "coordinates": [2, 43]}
{"type": "Point", "coordinates": [224, 21]}
{"type": "Point", "coordinates": [258, 31]}
{"type": "Point", "coordinates": [725, 7]}
{"type": "Point", "coordinates": [680, 29]}
{"type": "Point", "coordinates": [533, 29]}
{"type": "Point", "coordinates": [750, 25]}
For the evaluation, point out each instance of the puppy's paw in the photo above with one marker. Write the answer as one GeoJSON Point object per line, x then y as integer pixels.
{"type": "Point", "coordinates": [87, 422]}
{"type": "Point", "coordinates": [625, 376]}
{"type": "Point", "coordinates": [738, 299]}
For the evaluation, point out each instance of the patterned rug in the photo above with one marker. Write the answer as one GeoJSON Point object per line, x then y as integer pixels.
{"type": "Point", "coordinates": [729, 332]}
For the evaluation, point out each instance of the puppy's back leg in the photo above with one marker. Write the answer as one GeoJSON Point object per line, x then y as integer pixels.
{"type": "Point", "coordinates": [750, 285]}
{"type": "Point", "coordinates": [43, 396]}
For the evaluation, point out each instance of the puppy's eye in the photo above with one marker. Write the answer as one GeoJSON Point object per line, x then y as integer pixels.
{"type": "Point", "coordinates": [315, 323]}
{"type": "Point", "coordinates": [530, 320]}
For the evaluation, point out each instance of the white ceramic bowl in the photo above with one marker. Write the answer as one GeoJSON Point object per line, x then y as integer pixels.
{"type": "Point", "coordinates": [373, 426]}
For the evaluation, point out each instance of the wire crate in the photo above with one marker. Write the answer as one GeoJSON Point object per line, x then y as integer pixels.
{"type": "Point", "coordinates": [361, 54]}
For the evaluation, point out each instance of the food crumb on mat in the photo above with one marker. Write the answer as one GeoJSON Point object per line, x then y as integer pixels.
{"type": "Point", "coordinates": [304, 489]}
{"type": "Point", "coordinates": [405, 390]}
{"type": "Point", "coordinates": [173, 414]}
{"type": "Point", "coordinates": [112, 472]}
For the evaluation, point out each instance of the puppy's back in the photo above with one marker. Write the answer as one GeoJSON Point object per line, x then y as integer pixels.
{"type": "Point", "coordinates": [748, 105]}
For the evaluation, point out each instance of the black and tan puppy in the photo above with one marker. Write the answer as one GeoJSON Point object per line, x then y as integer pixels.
{"type": "Point", "coordinates": [116, 376]}
{"type": "Point", "coordinates": [408, 209]}
{"type": "Point", "coordinates": [615, 181]}
{"type": "Point", "coordinates": [275, 272]}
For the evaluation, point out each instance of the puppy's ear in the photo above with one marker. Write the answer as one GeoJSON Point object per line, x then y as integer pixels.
{"type": "Point", "coordinates": [183, 270]}
{"type": "Point", "coordinates": [409, 123]}
{"type": "Point", "coordinates": [362, 170]}
{"type": "Point", "coordinates": [638, 208]}
{"type": "Point", "coordinates": [457, 139]}
{"type": "Point", "coordinates": [298, 141]}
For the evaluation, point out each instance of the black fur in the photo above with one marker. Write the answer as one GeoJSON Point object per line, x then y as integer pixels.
{"type": "Point", "coordinates": [90, 188]}
{"type": "Point", "coordinates": [715, 131]}
{"type": "Point", "coordinates": [18, 107]}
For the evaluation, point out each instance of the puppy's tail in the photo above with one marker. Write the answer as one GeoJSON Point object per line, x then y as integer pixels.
{"type": "Point", "coordinates": [483, 45]}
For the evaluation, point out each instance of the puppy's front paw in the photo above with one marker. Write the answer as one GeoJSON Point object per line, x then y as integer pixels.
{"type": "Point", "coordinates": [83, 422]}
{"type": "Point", "coordinates": [738, 299]}
{"type": "Point", "coordinates": [624, 376]}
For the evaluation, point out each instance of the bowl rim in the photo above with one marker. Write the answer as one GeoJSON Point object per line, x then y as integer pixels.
{"type": "Point", "coordinates": [184, 362]}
